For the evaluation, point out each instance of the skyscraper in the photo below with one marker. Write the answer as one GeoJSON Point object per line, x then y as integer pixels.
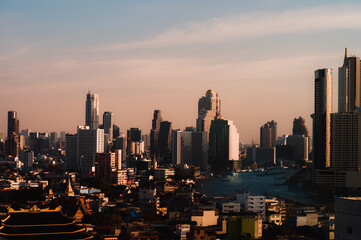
{"type": "Point", "coordinates": [268, 135]}
{"type": "Point", "coordinates": [71, 148]}
{"type": "Point", "coordinates": [134, 135]}
{"type": "Point", "coordinates": [299, 128]}
{"type": "Point", "coordinates": [322, 118]}
{"type": "Point", "coordinates": [154, 132]}
{"type": "Point", "coordinates": [108, 124]}
{"type": "Point", "coordinates": [13, 141]}
{"type": "Point", "coordinates": [92, 110]}
{"type": "Point", "coordinates": [223, 144]}
{"type": "Point", "coordinates": [209, 107]}
{"type": "Point", "coordinates": [116, 131]}
{"type": "Point", "coordinates": [165, 141]}
{"type": "Point", "coordinates": [176, 147]}
{"type": "Point", "coordinates": [349, 84]}
{"type": "Point", "coordinates": [89, 142]}
{"type": "Point", "coordinates": [199, 149]}
{"type": "Point", "coordinates": [346, 141]}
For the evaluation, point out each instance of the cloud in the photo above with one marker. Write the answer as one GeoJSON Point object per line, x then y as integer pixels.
{"type": "Point", "coordinates": [254, 24]}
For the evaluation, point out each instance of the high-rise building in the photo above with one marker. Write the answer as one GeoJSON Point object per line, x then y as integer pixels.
{"type": "Point", "coordinates": [165, 141]}
{"type": "Point", "coordinates": [13, 140]}
{"type": "Point", "coordinates": [223, 144]}
{"type": "Point", "coordinates": [26, 134]}
{"type": "Point", "coordinates": [349, 84]}
{"type": "Point", "coordinates": [107, 166]}
{"type": "Point", "coordinates": [199, 149]}
{"type": "Point", "coordinates": [116, 131]}
{"type": "Point", "coordinates": [209, 107]}
{"type": "Point", "coordinates": [154, 132]}
{"type": "Point", "coordinates": [71, 150]}
{"type": "Point", "coordinates": [186, 142]}
{"type": "Point", "coordinates": [346, 141]}
{"type": "Point", "coordinates": [62, 138]}
{"type": "Point", "coordinates": [146, 140]}
{"type": "Point", "coordinates": [53, 139]}
{"type": "Point", "coordinates": [27, 158]}
{"type": "Point", "coordinates": [268, 135]}
{"type": "Point", "coordinates": [92, 110]}
{"type": "Point", "coordinates": [299, 128]}
{"type": "Point", "coordinates": [299, 146]}
{"type": "Point", "coordinates": [90, 141]}
{"type": "Point", "coordinates": [322, 118]}
{"type": "Point", "coordinates": [176, 147]}
{"type": "Point", "coordinates": [121, 143]}
{"type": "Point", "coordinates": [134, 135]}
{"type": "Point", "coordinates": [108, 124]}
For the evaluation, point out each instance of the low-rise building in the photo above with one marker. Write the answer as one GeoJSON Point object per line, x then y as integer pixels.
{"type": "Point", "coordinates": [231, 207]}
{"type": "Point", "coordinates": [204, 218]}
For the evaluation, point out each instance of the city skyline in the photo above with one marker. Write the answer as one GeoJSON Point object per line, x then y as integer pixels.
{"type": "Point", "coordinates": [139, 65]}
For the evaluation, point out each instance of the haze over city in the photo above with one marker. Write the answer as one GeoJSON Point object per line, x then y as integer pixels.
{"type": "Point", "coordinates": [139, 56]}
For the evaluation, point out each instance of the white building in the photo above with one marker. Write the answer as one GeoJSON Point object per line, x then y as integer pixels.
{"type": "Point", "coordinates": [233, 141]}
{"type": "Point", "coordinates": [204, 218]}
{"type": "Point", "coordinates": [255, 204]}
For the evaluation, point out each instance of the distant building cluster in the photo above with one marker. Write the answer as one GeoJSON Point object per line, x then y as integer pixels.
{"type": "Point", "coordinates": [337, 136]}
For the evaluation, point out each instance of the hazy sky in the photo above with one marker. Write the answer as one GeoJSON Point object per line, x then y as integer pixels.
{"type": "Point", "coordinates": [259, 56]}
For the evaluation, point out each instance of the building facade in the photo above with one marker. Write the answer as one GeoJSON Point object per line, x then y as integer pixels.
{"type": "Point", "coordinates": [322, 118]}
{"type": "Point", "coordinates": [223, 144]}
{"type": "Point", "coordinates": [92, 110]}
{"type": "Point", "coordinates": [209, 107]}
{"type": "Point", "coordinates": [349, 88]}
{"type": "Point", "coordinates": [346, 141]}
{"type": "Point", "coordinates": [268, 135]}
{"type": "Point", "coordinates": [89, 142]}
{"type": "Point", "coordinates": [108, 124]}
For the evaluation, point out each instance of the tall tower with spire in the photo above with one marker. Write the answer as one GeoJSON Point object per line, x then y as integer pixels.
{"type": "Point", "coordinates": [92, 110]}
{"type": "Point", "coordinates": [349, 84]}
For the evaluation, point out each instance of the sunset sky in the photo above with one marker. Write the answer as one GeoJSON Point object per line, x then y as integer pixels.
{"type": "Point", "coordinates": [259, 56]}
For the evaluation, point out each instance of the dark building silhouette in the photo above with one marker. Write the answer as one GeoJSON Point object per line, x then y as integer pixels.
{"type": "Point", "coordinates": [116, 131]}
{"type": "Point", "coordinates": [322, 118]}
{"type": "Point", "coordinates": [92, 110]}
{"type": "Point", "coordinates": [108, 124]}
{"type": "Point", "coordinates": [349, 90]}
{"type": "Point", "coordinates": [154, 132]}
{"type": "Point", "coordinates": [134, 135]}
{"type": "Point", "coordinates": [299, 128]}
{"type": "Point", "coordinates": [223, 144]}
{"type": "Point", "coordinates": [268, 134]}
{"type": "Point", "coordinates": [13, 140]}
{"type": "Point", "coordinates": [165, 141]}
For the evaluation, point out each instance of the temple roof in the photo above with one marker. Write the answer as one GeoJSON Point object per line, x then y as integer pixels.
{"type": "Point", "coordinates": [36, 216]}
{"type": "Point", "coordinates": [36, 223]}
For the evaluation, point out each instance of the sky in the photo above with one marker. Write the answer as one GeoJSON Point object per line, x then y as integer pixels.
{"type": "Point", "coordinates": [259, 56]}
